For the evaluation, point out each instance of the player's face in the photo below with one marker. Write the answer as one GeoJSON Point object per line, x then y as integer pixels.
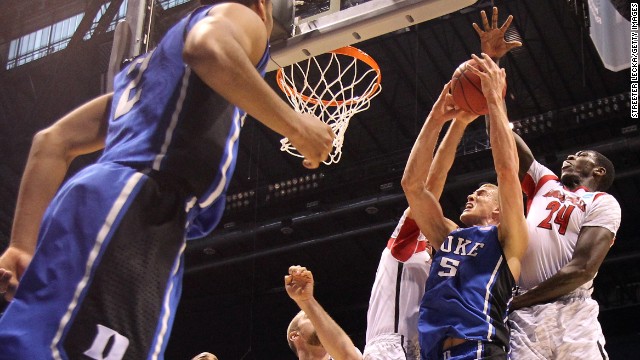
{"type": "Point", "coordinates": [481, 206]}
{"type": "Point", "coordinates": [577, 167]}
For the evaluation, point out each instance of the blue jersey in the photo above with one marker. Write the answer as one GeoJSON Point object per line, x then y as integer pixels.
{"type": "Point", "coordinates": [165, 118]}
{"type": "Point", "coordinates": [171, 146]}
{"type": "Point", "coordinates": [467, 292]}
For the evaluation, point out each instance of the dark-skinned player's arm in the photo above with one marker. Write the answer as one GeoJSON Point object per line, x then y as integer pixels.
{"type": "Point", "coordinates": [223, 50]}
{"type": "Point", "coordinates": [80, 132]}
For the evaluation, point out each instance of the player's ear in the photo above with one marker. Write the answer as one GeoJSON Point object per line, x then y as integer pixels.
{"type": "Point", "coordinates": [599, 171]}
{"type": "Point", "coordinates": [495, 214]}
{"type": "Point", "coordinates": [261, 8]}
{"type": "Point", "coordinates": [293, 335]}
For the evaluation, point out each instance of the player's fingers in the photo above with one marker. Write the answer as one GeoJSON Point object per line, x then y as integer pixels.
{"type": "Point", "coordinates": [489, 63]}
{"type": "Point", "coordinates": [513, 44]}
{"type": "Point", "coordinates": [450, 104]}
{"type": "Point", "coordinates": [479, 62]}
{"type": "Point", "coordinates": [5, 280]}
{"type": "Point", "coordinates": [310, 164]}
{"type": "Point", "coordinates": [494, 18]}
{"type": "Point", "coordinates": [445, 90]}
{"type": "Point", "coordinates": [506, 24]}
{"type": "Point", "coordinates": [477, 29]}
{"type": "Point", "coordinates": [476, 71]}
{"type": "Point", "coordinates": [329, 129]}
{"type": "Point", "coordinates": [485, 21]}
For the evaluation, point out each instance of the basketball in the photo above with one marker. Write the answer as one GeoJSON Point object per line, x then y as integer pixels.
{"type": "Point", "coordinates": [466, 89]}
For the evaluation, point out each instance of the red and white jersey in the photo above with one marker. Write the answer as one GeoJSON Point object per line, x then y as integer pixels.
{"type": "Point", "coordinates": [407, 239]}
{"type": "Point", "coordinates": [396, 293]}
{"type": "Point", "coordinates": [555, 216]}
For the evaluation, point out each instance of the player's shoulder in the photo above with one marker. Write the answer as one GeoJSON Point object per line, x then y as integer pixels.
{"type": "Point", "coordinates": [230, 13]}
{"type": "Point", "coordinates": [600, 198]}
{"type": "Point", "coordinates": [537, 177]}
{"type": "Point", "coordinates": [232, 10]}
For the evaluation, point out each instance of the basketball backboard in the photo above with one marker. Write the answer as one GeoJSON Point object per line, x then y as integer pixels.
{"type": "Point", "coordinates": [330, 24]}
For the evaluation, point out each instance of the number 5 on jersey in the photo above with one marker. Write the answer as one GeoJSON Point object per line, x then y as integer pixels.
{"type": "Point", "coordinates": [450, 266]}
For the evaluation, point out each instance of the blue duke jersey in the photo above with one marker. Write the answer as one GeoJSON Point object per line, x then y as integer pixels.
{"type": "Point", "coordinates": [164, 118]}
{"type": "Point", "coordinates": [171, 146]}
{"type": "Point", "coordinates": [467, 292]}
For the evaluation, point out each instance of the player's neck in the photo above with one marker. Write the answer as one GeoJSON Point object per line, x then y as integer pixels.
{"type": "Point", "coordinates": [588, 184]}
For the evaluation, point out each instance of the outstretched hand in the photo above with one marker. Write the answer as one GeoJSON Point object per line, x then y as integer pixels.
{"type": "Point", "coordinates": [13, 263]}
{"type": "Point", "coordinates": [299, 283]}
{"type": "Point", "coordinates": [492, 40]}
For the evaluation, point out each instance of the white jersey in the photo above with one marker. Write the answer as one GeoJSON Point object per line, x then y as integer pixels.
{"type": "Point", "coordinates": [555, 216]}
{"type": "Point", "coordinates": [392, 318]}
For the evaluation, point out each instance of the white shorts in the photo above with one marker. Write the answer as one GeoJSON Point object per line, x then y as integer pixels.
{"type": "Point", "coordinates": [395, 300]}
{"type": "Point", "coordinates": [565, 329]}
{"type": "Point", "coordinates": [391, 347]}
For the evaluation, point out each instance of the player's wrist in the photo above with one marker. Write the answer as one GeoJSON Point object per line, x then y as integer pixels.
{"type": "Point", "coordinates": [436, 118]}
{"type": "Point", "coordinates": [494, 97]}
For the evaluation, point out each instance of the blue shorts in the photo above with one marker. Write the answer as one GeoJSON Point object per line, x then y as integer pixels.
{"type": "Point", "coordinates": [478, 350]}
{"type": "Point", "coordinates": [106, 276]}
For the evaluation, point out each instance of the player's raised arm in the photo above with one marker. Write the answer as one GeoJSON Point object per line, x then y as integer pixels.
{"type": "Point", "coordinates": [493, 43]}
{"type": "Point", "coordinates": [423, 204]}
{"type": "Point", "coordinates": [443, 160]}
{"type": "Point", "coordinates": [512, 228]}
{"type": "Point", "coordinates": [223, 50]}
{"type": "Point", "coordinates": [299, 285]}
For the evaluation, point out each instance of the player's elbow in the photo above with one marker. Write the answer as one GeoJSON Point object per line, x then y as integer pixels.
{"type": "Point", "coordinates": [49, 142]}
{"type": "Point", "coordinates": [410, 185]}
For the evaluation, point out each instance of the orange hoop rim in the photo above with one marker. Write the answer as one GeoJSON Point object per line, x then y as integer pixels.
{"type": "Point", "coordinates": [348, 51]}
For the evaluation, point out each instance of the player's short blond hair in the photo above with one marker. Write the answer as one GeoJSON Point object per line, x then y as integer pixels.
{"type": "Point", "coordinates": [494, 187]}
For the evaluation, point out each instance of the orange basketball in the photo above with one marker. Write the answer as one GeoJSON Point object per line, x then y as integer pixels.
{"type": "Point", "coordinates": [466, 88]}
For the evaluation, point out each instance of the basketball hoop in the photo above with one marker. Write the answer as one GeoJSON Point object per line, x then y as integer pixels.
{"type": "Point", "coordinates": [332, 86]}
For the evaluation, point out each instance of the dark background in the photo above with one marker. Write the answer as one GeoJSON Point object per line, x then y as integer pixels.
{"type": "Point", "coordinates": [339, 217]}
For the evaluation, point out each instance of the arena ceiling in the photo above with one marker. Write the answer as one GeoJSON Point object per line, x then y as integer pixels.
{"type": "Point", "coordinates": [338, 218]}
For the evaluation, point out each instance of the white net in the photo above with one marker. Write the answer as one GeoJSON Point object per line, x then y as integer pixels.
{"type": "Point", "coordinates": [334, 87]}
